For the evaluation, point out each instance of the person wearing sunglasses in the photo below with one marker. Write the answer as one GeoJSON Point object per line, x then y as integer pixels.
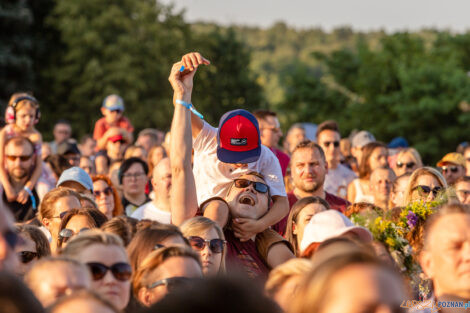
{"type": "Point", "coordinates": [425, 184]}
{"type": "Point", "coordinates": [33, 246]}
{"type": "Point", "coordinates": [163, 271]}
{"type": "Point", "coordinates": [54, 278]}
{"type": "Point", "coordinates": [52, 209]}
{"type": "Point", "coordinates": [338, 176]}
{"type": "Point", "coordinates": [207, 239]}
{"type": "Point", "coordinates": [407, 160]}
{"type": "Point", "coordinates": [74, 222]}
{"type": "Point", "coordinates": [452, 166]}
{"type": "Point", "coordinates": [106, 196]}
{"type": "Point", "coordinates": [107, 261]}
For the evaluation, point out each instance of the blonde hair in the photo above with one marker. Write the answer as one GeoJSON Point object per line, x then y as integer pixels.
{"type": "Point", "coordinates": [154, 259]}
{"type": "Point", "coordinates": [414, 178]}
{"type": "Point", "coordinates": [414, 155]}
{"type": "Point", "coordinates": [283, 272]}
{"type": "Point", "coordinates": [199, 224]}
{"type": "Point", "coordinates": [90, 237]}
{"type": "Point", "coordinates": [46, 208]}
{"type": "Point", "coordinates": [23, 103]}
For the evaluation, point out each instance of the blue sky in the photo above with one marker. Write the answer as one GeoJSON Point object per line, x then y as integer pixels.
{"type": "Point", "coordinates": [360, 14]}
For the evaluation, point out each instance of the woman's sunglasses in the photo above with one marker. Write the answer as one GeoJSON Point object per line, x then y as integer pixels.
{"type": "Point", "coordinates": [120, 271]}
{"type": "Point", "coordinates": [408, 165]}
{"type": "Point", "coordinates": [65, 234]}
{"type": "Point", "coordinates": [198, 243]}
{"type": "Point", "coordinates": [173, 283]}
{"type": "Point", "coordinates": [243, 183]}
{"type": "Point", "coordinates": [453, 169]}
{"type": "Point", "coordinates": [27, 256]}
{"type": "Point", "coordinates": [425, 190]}
{"type": "Point", "coordinates": [107, 192]}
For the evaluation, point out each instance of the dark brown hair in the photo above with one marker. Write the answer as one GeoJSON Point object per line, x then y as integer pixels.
{"type": "Point", "coordinates": [327, 125]}
{"type": "Point", "coordinates": [367, 150]}
{"type": "Point", "coordinates": [43, 247]}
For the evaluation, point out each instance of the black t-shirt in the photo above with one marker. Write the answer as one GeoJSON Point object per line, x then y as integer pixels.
{"type": "Point", "coordinates": [22, 212]}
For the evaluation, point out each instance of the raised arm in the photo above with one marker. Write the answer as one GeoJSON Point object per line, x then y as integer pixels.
{"type": "Point", "coordinates": [183, 192]}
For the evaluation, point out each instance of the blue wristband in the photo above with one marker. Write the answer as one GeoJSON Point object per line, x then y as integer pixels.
{"type": "Point", "coordinates": [31, 196]}
{"type": "Point", "coordinates": [190, 107]}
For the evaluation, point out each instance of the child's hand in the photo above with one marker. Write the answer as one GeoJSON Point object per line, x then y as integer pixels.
{"type": "Point", "coordinates": [246, 228]}
{"type": "Point", "coordinates": [23, 197]}
{"type": "Point", "coordinates": [10, 193]}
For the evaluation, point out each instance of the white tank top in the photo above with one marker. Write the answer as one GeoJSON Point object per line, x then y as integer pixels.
{"type": "Point", "coordinates": [360, 196]}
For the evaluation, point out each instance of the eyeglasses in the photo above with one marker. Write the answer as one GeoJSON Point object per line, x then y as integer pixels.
{"type": "Point", "coordinates": [215, 245]}
{"type": "Point", "coordinates": [243, 183]}
{"type": "Point", "coordinates": [425, 190]}
{"type": "Point", "coordinates": [134, 175]}
{"type": "Point", "coordinates": [27, 256]}
{"type": "Point", "coordinates": [61, 215]}
{"type": "Point", "coordinates": [408, 165]}
{"type": "Point", "coordinates": [107, 191]}
{"type": "Point", "coordinates": [453, 169]}
{"type": "Point", "coordinates": [11, 238]}
{"type": "Point", "coordinates": [65, 234]}
{"type": "Point", "coordinates": [158, 246]}
{"type": "Point", "coordinates": [172, 283]}
{"type": "Point", "coordinates": [328, 143]}
{"type": "Point", "coordinates": [23, 158]}
{"type": "Point", "coordinates": [120, 271]}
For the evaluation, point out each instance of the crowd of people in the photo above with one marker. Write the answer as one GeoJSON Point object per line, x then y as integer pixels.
{"type": "Point", "coordinates": [222, 219]}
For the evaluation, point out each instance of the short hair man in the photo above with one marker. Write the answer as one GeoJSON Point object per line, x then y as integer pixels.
{"type": "Point", "coordinates": [270, 134]}
{"type": "Point", "coordinates": [381, 183]}
{"type": "Point", "coordinates": [159, 208]}
{"type": "Point", "coordinates": [19, 165]}
{"type": "Point", "coordinates": [452, 166]}
{"type": "Point", "coordinates": [149, 138]}
{"type": "Point", "coordinates": [339, 176]}
{"type": "Point", "coordinates": [53, 278]}
{"type": "Point", "coordinates": [62, 131]}
{"type": "Point", "coordinates": [462, 188]}
{"type": "Point", "coordinates": [446, 253]}
{"type": "Point", "coordinates": [87, 146]}
{"type": "Point", "coordinates": [295, 135]}
{"type": "Point", "coordinates": [308, 171]}
{"type": "Point", "coordinates": [133, 178]}
{"type": "Point", "coordinates": [222, 154]}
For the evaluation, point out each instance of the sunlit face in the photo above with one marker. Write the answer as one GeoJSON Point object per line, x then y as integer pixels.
{"type": "Point", "coordinates": [78, 223]}
{"type": "Point", "coordinates": [63, 204]}
{"type": "Point", "coordinates": [308, 169]}
{"type": "Point", "coordinates": [210, 261]}
{"type": "Point", "coordinates": [19, 161]}
{"type": "Point", "coordinates": [363, 288]}
{"type": "Point", "coordinates": [463, 191]}
{"type": "Point", "coordinates": [115, 149]}
{"type": "Point", "coordinates": [428, 181]}
{"type": "Point", "coordinates": [452, 172]}
{"type": "Point", "coordinates": [304, 216]}
{"type": "Point", "coordinates": [247, 202]}
{"type": "Point", "coordinates": [378, 158]}
{"type": "Point", "coordinates": [161, 180]}
{"type": "Point", "coordinates": [157, 154]}
{"type": "Point", "coordinates": [25, 118]}
{"type": "Point", "coordinates": [398, 196]}
{"type": "Point", "coordinates": [62, 132]}
{"type": "Point", "coordinates": [112, 289]}
{"type": "Point", "coordinates": [329, 141]}
{"type": "Point", "coordinates": [59, 280]}
{"type": "Point", "coordinates": [270, 131]}
{"type": "Point", "coordinates": [88, 148]}
{"type": "Point", "coordinates": [406, 163]}
{"type": "Point", "coordinates": [111, 117]}
{"type": "Point", "coordinates": [134, 179]}
{"type": "Point", "coordinates": [446, 257]}
{"type": "Point", "coordinates": [381, 183]}
{"type": "Point", "coordinates": [87, 165]}
{"type": "Point", "coordinates": [172, 267]}
{"type": "Point", "coordinates": [104, 198]}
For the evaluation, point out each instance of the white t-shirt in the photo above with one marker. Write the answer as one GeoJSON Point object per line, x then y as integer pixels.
{"type": "Point", "coordinates": [337, 180]}
{"type": "Point", "coordinates": [213, 178]}
{"type": "Point", "coordinates": [150, 212]}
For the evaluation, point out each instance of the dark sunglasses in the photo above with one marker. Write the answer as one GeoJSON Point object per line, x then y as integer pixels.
{"type": "Point", "coordinates": [453, 169]}
{"type": "Point", "coordinates": [27, 256]}
{"type": "Point", "coordinates": [328, 143]}
{"type": "Point", "coordinates": [107, 191]}
{"type": "Point", "coordinates": [61, 215]}
{"type": "Point", "coordinates": [65, 234]}
{"type": "Point", "coordinates": [22, 158]}
{"type": "Point", "coordinates": [243, 183]}
{"type": "Point", "coordinates": [198, 243]}
{"type": "Point", "coordinates": [173, 283]}
{"type": "Point", "coordinates": [425, 190]}
{"type": "Point", "coordinates": [120, 271]}
{"type": "Point", "coordinates": [408, 165]}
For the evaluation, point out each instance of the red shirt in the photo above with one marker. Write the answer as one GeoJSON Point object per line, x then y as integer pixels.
{"type": "Point", "coordinates": [283, 158]}
{"type": "Point", "coordinates": [101, 126]}
{"type": "Point", "coordinates": [336, 203]}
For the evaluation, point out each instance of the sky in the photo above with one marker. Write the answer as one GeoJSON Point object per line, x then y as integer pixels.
{"type": "Point", "coordinates": [364, 15]}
